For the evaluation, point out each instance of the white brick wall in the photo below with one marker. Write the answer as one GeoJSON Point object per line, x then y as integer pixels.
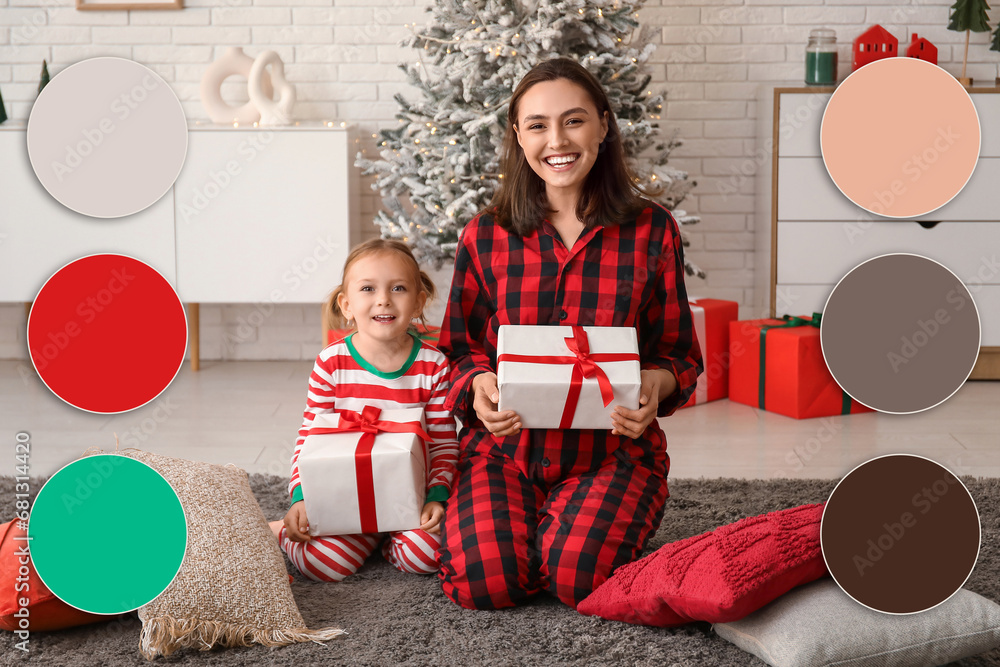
{"type": "Point", "coordinates": [342, 56]}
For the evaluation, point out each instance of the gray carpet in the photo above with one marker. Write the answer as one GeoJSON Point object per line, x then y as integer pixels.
{"type": "Point", "coordinates": [394, 618]}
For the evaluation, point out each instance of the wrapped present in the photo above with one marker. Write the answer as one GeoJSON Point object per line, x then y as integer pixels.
{"type": "Point", "coordinates": [567, 377]}
{"type": "Point", "coordinates": [364, 473]}
{"type": "Point", "coordinates": [778, 365]}
{"type": "Point", "coordinates": [711, 325]}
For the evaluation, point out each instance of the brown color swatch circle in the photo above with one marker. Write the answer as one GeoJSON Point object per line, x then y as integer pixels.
{"type": "Point", "coordinates": [900, 137]}
{"type": "Point", "coordinates": [900, 534]}
{"type": "Point", "coordinates": [900, 333]}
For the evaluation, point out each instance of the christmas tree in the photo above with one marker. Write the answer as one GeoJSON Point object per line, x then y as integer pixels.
{"type": "Point", "coordinates": [969, 15]}
{"type": "Point", "coordinates": [439, 166]}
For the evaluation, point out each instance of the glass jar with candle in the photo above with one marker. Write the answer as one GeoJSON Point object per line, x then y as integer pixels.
{"type": "Point", "coordinates": [821, 58]}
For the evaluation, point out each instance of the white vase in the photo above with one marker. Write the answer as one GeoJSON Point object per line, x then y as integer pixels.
{"type": "Point", "coordinates": [272, 111]}
{"type": "Point", "coordinates": [232, 62]}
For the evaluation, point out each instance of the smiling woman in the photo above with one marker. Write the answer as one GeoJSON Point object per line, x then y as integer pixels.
{"type": "Point", "coordinates": [568, 240]}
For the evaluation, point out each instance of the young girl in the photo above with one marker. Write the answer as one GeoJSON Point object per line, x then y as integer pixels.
{"type": "Point", "coordinates": [384, 364]}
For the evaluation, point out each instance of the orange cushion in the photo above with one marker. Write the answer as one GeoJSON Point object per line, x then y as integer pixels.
{"type": "Point", "coordinates": [44, 610]}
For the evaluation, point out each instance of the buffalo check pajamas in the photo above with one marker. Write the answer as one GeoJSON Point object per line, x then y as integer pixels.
{"type": "Point", "coordinates": [559, 510]}
{"type": "Point", "coordinates": [342, 380]}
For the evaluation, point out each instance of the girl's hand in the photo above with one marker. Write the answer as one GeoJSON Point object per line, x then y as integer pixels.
{"type": "Point", "coordinates": [296, 523]}
{"type": "Point", "coordinates": [484, 403]}
{"type": "Point", "coordinates": [430, 517]}
{"type": "Point", "coordinates": [656, 383]}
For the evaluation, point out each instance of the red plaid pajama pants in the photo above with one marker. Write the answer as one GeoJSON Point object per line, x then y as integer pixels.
{"type": "Point", "coordinates": [539, 514]}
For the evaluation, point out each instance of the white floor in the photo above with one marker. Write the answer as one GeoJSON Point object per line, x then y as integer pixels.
{"type": "Point", "coordinates": [248, 412]}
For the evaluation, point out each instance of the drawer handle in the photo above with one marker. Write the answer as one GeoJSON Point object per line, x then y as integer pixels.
{"type": "Point", "coordinates": [927, 224]}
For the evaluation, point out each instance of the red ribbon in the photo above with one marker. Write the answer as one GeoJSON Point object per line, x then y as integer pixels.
{"type": "Point", "coordinates": [369, 425]}
{"type": "Point", "coordinates": [584, 366]}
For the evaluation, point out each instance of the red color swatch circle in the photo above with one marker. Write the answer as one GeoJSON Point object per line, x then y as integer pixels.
{"type": "Point", "coordinates": [107, 333]}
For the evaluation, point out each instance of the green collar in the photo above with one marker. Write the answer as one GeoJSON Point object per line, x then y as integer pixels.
{"type": "Point", "coordinates": [376, 372]}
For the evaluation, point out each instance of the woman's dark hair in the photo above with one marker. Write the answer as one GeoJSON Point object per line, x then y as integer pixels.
{"type": "Point", "coordinates": [610, 193]}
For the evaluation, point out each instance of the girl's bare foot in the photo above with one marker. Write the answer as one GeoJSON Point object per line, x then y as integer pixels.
{"type": "Point", "coordinates": [276, 527]}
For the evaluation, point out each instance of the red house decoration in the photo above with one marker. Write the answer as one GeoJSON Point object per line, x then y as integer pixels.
{"type": "Point", "coordinates": [874, 44]}
{"type": "Point", "coordinates": [921, 49]}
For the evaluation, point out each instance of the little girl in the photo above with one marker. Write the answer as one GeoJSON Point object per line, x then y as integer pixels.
{"type": "Point", "coordinates": [383, 363]}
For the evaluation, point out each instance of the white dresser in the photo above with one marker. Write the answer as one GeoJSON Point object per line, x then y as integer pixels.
{"type": "Point", "coordinates": [256, 216]}
{"type": "Point", "coordinates": [809, 235]}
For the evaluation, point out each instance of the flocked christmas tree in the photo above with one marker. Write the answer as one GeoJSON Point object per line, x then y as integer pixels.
{"type": "Point", "coordinates": [439, 166]}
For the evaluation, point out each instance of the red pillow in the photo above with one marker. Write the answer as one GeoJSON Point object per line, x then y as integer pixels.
{"type": "Point", "coordinates": [45, 610]}
{"type": "Point", "coordinates": [719, 576]}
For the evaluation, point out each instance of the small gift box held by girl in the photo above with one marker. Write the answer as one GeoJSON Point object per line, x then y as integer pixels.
{"type": "Point", "coordinates": [383, 364]}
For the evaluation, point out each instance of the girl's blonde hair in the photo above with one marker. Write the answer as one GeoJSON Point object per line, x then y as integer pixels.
{"type": "Point", "coordinates": [335, 318]}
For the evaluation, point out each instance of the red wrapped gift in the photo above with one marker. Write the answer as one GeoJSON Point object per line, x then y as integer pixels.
{"type": "Point", "coordinates": [711, 325]}
{"type": "Point", "coordinates": [796, 382]}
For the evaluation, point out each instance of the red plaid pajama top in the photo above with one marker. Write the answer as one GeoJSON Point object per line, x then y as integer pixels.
{"type": "Point", "coordinates": [629, 275]}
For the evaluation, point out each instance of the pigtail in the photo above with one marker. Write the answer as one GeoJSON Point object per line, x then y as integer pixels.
{"type": "Point", "coordinates": [331, 310]}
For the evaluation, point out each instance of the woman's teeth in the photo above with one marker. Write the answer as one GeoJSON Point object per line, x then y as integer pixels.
{"type": "Point", "coordinates": [561, 161]}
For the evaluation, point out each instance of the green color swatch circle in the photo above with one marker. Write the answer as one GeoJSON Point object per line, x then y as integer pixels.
{"type": "Point", "coordinates": [107, 534]}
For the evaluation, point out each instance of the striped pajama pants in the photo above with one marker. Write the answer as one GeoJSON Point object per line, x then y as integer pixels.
{"type": "Point", "coordinates": [333, 557]}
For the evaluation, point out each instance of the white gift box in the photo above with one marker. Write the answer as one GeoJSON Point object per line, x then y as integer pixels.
{"type": "Point", "coordinates": [345, 496]}
{"type": "Point", "coordinates": [536, 368]}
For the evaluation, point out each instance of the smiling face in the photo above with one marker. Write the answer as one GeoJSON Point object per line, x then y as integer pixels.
{"type": "Point", "coordinates": [560, 132]}
{"type": "Point", "coordinates": [382, 295]}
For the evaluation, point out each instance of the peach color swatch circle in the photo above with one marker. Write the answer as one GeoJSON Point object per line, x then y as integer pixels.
{"type": "Point", "coordinates": [900, 137]}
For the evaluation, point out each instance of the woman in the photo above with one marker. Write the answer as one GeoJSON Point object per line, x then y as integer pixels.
{"type": "Point", "coordinates": [567, 240]}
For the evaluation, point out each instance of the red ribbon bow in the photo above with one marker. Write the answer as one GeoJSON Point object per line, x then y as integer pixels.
{"type": "Point", "coordinates": [369, 425]}
{"type": "Point", "coordinates": [584, 366]}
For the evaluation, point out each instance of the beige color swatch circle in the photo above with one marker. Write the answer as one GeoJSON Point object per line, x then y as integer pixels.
{"type": "Point", "coordinates": [900, 333]}
{"type": "Point", "coordinates": [900, 137]}
{"type": "Point", "coordinates": [107, 137]}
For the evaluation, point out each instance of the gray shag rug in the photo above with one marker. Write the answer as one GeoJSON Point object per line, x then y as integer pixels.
{"type": "Point", "coordinates": [403, 619]}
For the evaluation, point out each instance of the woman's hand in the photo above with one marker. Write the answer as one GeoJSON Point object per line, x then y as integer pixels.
{"type": "Point", "coordinates": [430, 517]}
{"type": "Point", "coordinates": [297, 524]}
{"type": "Point", "coordinates": [657, 384]}
{"type": "Point", "coordinates": [484, 403]}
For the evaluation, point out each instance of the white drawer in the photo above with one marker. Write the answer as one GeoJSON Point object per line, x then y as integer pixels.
{"type": "Point", "coordinates": [799, 120]}
{"type": "Point", "coordinates": [806, 192]}
{"type": "Point", "coordinates": [823, 252]}
{"type": "Point", "coordinates": [809, 299]}
{"type": "Point", "coordinates": [801, 116]}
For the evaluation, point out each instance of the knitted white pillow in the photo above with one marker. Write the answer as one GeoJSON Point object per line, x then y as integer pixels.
{"type": "Point", "coordinates": [819, 624]}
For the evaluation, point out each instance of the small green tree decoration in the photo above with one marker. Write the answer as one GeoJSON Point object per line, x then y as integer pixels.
{"type": "Point", "coordinates": [45, 76]}
{"type": "Point", "coordinates": [970, 16]}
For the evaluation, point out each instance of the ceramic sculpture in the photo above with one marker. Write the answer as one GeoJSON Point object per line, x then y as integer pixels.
{"type": "Point", "coordinates": [233, 61]}
{"type": "Point", "coordinates": [272, 111]}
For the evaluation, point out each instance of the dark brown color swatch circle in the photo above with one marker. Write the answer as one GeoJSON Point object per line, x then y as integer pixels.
{"type": "Point", "coordinates": [900, 333]}
{"type": "Point", "coordinates": [900, 534]}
